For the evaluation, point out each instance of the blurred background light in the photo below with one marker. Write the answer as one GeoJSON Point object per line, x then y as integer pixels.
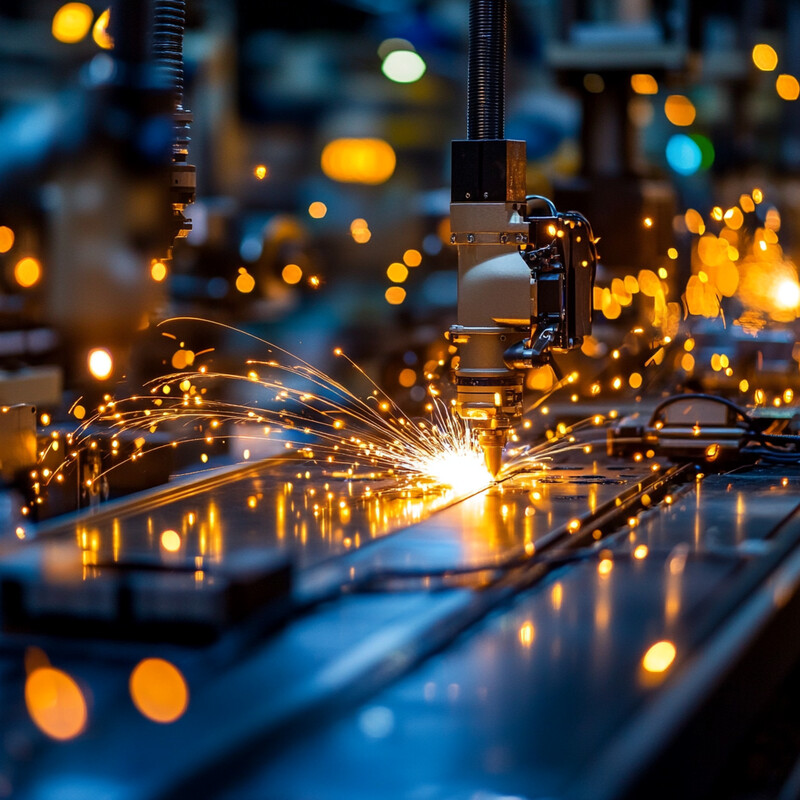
{"type": "Point", "coordinates": [292, 274]}
{"type": "Point", "coordinates": [412, 258]}
{"type": "Point", "coordinates": [55, 703]}
{"type": "Point", "coordinates": [27, 272]}
{"type": "Point", "coordinates": [6, 238]}
{"type": "Point", "coordinates": [100, 362]}
{"type": "Point", "coordinates": [245, 282]}
{"type": "Point", "coordinates": [158, 690]}
{"type": "Point", "coordinates": [787, 87]}
{"type": "Point", "coordinates": [158, 271]}
{"type": "Point", "coordinates": [359, 230]}
{"type": "Point", "coordinates": [787, 294]}
{"type": "Point", "coordinates": [642, 83]}
{"type": "Point", "coordinates": [100, 32]}
{"type": "Point", "coordinates": [368, 161]}
{"type": "Point", "coordinates": [594, 83]}
{"type": "Point", "coordinates": [317, 210]}
{"type": "Point", "coordinates": [765, 57]}
{"type": "Point", "coordinates": [397, 272]}
{"type": "Point", "coordinates": [707, 153]}
{"type": "Point", "coordinates": [403, 66]}
{"type": "Point", "coordinates": [171, 540]}
{"type": "Point", "coordinates": [395, 295]}
{"type": "Point", "coordinates": [388, 46]}
{"type": "Point", "coordinates": [71, 22]}
{"type": "Point", "coordinates": [679, 110]}
{"type": "Point", "coordinates": [684, 155]}
{"type": "Point", "coordinates": [659, 657]}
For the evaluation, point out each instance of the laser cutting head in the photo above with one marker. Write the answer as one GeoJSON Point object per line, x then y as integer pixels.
{"type": "Point", "coordinates": [523, 288]}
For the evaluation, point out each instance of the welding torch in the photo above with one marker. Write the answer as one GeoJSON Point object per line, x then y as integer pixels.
{"type": "Point", "coordinates": [525, 273]}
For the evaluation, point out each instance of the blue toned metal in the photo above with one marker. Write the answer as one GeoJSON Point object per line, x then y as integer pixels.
{"type": "Point", "coordinates": [417, 669]}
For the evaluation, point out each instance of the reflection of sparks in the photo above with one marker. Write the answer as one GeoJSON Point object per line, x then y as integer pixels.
{"type": "Point", "coordinates": [659, 657]}
{"type": "Point", "coordinates": [171, 541]}
{"type": "Point", "coordinates": [55, 703]}
{"type": "Point", "coordinates": [526, 634]}
{"type": "Point", "coordinates": [159, 690]}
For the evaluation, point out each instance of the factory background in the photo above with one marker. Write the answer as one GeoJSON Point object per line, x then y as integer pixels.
{"type": "Point", "coordinates": [193, 194]}
{"type": "Point", "coordinates": [322, 163]}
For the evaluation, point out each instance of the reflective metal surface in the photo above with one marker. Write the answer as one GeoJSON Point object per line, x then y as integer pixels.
{"type": "Point", "coordinates": [528, 705]}
{"type": "Point", "coordinates": [278, 506]}
{"type": "Point", "coordinates": [387, 689]}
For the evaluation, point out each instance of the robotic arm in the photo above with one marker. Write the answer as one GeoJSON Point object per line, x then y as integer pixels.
{"type": "Point", "coordinates": [524, 281]}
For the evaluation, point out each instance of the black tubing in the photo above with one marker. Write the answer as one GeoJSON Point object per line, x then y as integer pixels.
{"type": "Point", "coordinates": [486, 75]}
{"type": "Point", "coordinates": [169, 20]}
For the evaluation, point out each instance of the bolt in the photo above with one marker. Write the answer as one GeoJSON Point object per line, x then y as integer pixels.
{"type": "Point", "coordinates": [486, 195]}
{"type": "Point", "coordinates": [468, 195]}
{"type": "Point", "coordinates": [470, 238]}
{"type": "Point", "coordinates": [518, 237]}
{"type": "Point", "coordinates": [452, 238]}
{"type": "Point", "coordinates": [503, 238]}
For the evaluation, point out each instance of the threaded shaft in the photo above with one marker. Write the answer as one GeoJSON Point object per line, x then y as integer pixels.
{"type": "Point", "coordinates": [486, 76]}
{"type": "Point", "coordinates": [169, 20]}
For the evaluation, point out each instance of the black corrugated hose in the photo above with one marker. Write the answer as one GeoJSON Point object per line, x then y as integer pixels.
{"type": "Point", "coordinates": [486, 76]}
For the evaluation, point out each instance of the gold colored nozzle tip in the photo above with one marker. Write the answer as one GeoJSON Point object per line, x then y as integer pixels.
{"type": "Point", "coordinates": [493, 455]}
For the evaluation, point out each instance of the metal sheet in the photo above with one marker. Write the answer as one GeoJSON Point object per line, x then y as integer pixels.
{"type": "Point", "coordinates": [522, 706]}
{"type": "Point", "coordinates": [526, 706]}
{"type": "Point", "coordinates": [348, 640]}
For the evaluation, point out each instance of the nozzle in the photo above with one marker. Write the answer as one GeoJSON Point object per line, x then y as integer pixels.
{"type": "Point", "coordinates": [493, 455]}
{"type": "Point", "coordinates": [492, 443]}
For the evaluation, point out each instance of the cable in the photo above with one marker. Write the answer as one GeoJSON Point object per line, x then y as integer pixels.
{"type": "Point", "coordinates": [771, 456]}
{"type": "Point", "coordinates": [550, 204]}
{"type": "Point", "coordinates": [768, 447]}
{"type": "Point", "coordinates": [676, 398]}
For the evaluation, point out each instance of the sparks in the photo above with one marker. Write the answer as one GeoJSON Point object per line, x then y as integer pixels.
{"type": "Point", "coordinates": [304, 406]}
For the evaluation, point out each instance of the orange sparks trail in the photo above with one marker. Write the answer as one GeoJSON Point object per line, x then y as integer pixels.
{"type": "Point", "coordinates": [309, 413]}
{"type": "Point", "coordinates": [312, 416]}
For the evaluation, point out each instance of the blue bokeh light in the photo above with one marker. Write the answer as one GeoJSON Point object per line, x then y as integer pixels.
{"type": "Point", "coordinates": [684, 154]}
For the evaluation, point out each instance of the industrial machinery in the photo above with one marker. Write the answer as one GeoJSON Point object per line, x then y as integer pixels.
{"type": "Point", "coordinates": [524, 280]}
{"type": "Point", "coordinates": [113, 154]}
